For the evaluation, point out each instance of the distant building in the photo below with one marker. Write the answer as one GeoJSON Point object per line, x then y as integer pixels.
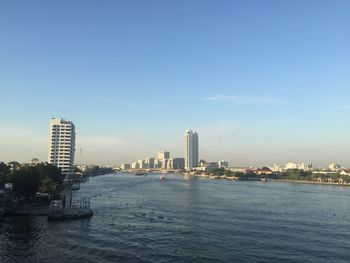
{"type": "Point", "coordinates": [142, 164]}
{"type": "Point", "coordinates": [223, 164]}
{"type": "Point", "coordinates": [275, 168]}
{"type": "Point", "coordinates": [162, 155]}
{"type": "Point", "coordinates": [191, 150]}
{"type": "Point", "coordinates": [149, 161]}
{"type": "Point", "coordinates": [164, 163]}
{"type": "Point", "coordinates": [62, 145]}
{"type": "Point", "coordinates": [241, 169]}
{"type": "Point", "coordinates": [334, 167]}
{"type": "Point", "coordinates": [264, 170]}
{"type": "Point", "coordinates": [135, 165]}
{"type": "Point", "coordinates": [300, 166]}
{"type": "Point", "coordinates": [212, 165]}
{"type": "Point", "coordinates": [345, 172]}
{"type": "Point", "coordinates": [157, 164]}
{"type": "Point", "coordinates": [202, 163]}
{"type": "Point", "coordinates": [34, 162]}
{"type": "Point", "coordinates": [125, 166]}
{"type": "Point", "coordinates": [176, 163]}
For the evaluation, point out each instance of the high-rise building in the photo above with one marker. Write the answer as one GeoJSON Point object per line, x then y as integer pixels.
{"type": "Point", "coordinates": [62, 145]}
{"type": "Point", "coordinates": [162, 155]}
{"type": "Point", "coordinates": [191, 150]}
{"type": "Point", "coordinates": [149, 162]}
{"type": "Point", "coordinates": [176, 163]}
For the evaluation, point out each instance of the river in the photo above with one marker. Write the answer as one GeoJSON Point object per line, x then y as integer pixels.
{"type": "Point", "coordinates": [143, 219]}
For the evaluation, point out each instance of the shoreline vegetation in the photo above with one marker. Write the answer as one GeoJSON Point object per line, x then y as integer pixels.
{"type": "Point", "coordinates": [290, 176]}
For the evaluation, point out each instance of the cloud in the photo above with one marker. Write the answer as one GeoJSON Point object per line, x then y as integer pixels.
{"type": "Point", "coordinates": [244, 100]}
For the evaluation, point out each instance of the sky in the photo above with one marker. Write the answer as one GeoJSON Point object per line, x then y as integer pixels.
{"type": "Point", "coordinates": [260, 81]}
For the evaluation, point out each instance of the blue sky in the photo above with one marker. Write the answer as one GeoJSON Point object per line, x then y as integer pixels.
{"type": "Point", "coordinates": [261, 81]}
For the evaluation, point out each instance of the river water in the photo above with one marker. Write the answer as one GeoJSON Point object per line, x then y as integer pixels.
{"type": "Point", "coordinates": [143, 219]}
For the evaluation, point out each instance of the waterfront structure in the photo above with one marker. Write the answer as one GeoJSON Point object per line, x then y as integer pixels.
{"type": "Point", "coordinates": [62, 145]}
{"type": "Point", "coordinates": [191, 150]}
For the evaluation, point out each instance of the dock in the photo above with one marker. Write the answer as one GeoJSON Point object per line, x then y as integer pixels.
{"type": "Point", "coordinates": [53, 212]}
{"type": "Point", "coordinates": [69, 213]}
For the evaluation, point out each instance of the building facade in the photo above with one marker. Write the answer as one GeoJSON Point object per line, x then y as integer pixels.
{"type": "Point", "coordinates": [62, 145]}
{"type": "Point", "coordinates": [162, 155]}
{"type": "Point", "coordinates": [191, 150]}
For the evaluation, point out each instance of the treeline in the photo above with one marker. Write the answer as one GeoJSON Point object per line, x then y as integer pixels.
{"type": "Point", "coordinates": [28, 180]}
{"type": "Point", "coordinates": [97, 170]}
{"type": "Point", "coordinates": [291, 174]}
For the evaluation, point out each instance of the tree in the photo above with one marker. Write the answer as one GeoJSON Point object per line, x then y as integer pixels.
{"type": "Point", "coordinates": [4, 173]}
{"type": "Point", "coordinates": [4, 168]}
{"type": "Point", "coordinates": [26, 181]}
{"type": "Point", "coordinates": [15, 165]}
{"type": "Point", "coordinates": [50, 171]}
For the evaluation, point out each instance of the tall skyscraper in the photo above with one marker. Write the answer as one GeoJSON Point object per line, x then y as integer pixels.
{"type": "Point", "coordinates": [62, 145]}
{"type": "Point", "coordinates": [191, 149]}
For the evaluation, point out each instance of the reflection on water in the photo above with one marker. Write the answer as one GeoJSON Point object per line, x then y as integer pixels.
{"type": "Point", "coordinates": [186, 219]}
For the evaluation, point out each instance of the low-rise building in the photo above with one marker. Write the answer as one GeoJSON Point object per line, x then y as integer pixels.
{"type": "Point", "coordinates": [334, 167]}
{"type": "Point", "coordinates": [345, 172]}
{"type": "Point", "coordinates": [299, 166]}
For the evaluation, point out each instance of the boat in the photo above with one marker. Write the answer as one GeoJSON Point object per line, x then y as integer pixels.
{"type": "Point", "coordinates": [140, 173]}
{"type": "Point", "coordinates": [162, 177]}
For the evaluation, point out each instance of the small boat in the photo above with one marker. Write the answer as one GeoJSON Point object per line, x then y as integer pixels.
{"type": "Point", "coordinates": [162, 177]}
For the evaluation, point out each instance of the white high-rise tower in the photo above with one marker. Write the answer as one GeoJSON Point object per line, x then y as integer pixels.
{"type": "Point", "coordinates": [191, 149]}
{"type": "Point", "coordinates": [62, 145]}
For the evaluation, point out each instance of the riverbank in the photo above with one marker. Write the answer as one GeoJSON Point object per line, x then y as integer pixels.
{"type": "Point", "coordinates": [306, 182]}
{"type": "Point", "coordinates": [234, 178]}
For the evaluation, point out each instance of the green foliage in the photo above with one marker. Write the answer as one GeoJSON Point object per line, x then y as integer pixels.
{"type": "Point", "coordinates": [15, 165]}
{"type": "Point", "coordinates": [26, 181]}
{"type": "Point", "coordinates": [4, 173]}
{"type": "Point", "coordinates": [50, 171]}
{"type": "Point", "coordinates": [296, 174]}
{"type": "Point", "coordinates": [97, 170]}
{"type": "Point", "coordinates": [218, 172]}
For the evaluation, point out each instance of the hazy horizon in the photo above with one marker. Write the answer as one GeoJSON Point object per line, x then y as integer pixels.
{"type": "Point", "coordinates": [261, 81]}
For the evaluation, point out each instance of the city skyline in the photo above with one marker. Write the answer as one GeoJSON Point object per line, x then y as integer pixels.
{"type": "Point", "coordinates": [261, 82]}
